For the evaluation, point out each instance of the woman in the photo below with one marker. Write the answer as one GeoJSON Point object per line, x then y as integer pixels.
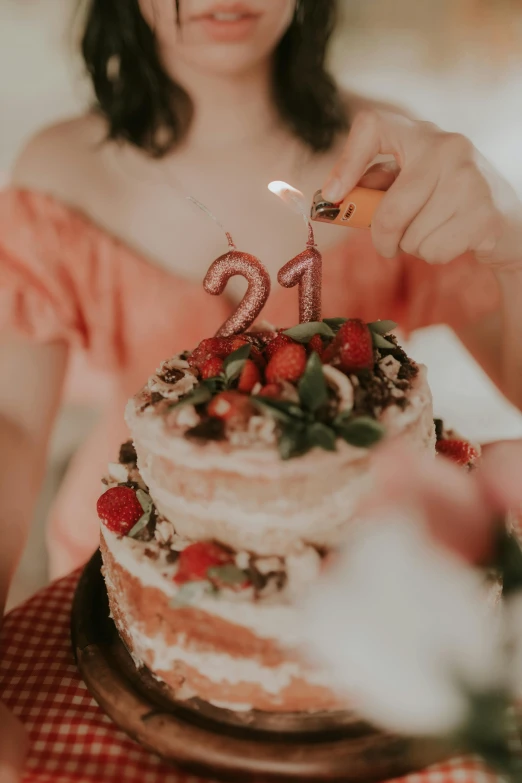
{"type": "Point", "coordinates": [101, 252]}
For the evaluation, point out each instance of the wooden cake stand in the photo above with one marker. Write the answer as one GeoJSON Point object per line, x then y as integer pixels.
{"type": "Point", "coordinates": [212, 742]}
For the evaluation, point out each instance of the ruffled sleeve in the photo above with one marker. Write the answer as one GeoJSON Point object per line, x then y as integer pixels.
{"type": "Point", "coordinates": [52, 285]}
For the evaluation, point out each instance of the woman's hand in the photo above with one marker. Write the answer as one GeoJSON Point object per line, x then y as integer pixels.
{"type": "Point", "coordinates": [444, 199]}
{"type": "Point", "coordinates": [13, 747]}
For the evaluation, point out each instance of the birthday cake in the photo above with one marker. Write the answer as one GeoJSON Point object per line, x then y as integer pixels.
{"type": "Point", "coordinates": [248, 460]}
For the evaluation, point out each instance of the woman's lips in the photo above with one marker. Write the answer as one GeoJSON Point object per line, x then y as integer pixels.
{"type": "Point", "coordinates": [228, 25]}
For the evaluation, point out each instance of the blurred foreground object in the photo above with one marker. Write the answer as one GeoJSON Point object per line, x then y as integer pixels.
{"type": "Point", "coordinates": [408, 617]}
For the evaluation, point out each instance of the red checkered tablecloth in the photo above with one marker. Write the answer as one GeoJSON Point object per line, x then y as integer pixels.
{"type": "Point", "coordinates": [71, 740]}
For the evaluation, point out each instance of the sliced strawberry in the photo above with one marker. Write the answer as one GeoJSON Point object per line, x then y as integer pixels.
{"type": "Point", "coordinates": [231, 406]}
{"type": "Point", "coordinates": [287, 364]}
{"type": "Point", "coordinates": [211, 368]}
{"type": "Point", "coordinates": [119, 509]}
{"type": "Point", "coordinates": [272, 390]}
{"type": "Point", "coordinates": [354, 346]}
{"type": "Point", "coordinates": [213, 347]}
{"type": "Point", "coordinates": [250, 377]}
{"type": "Point", "coordinates": [195, 561]}
{"type": "Point", "coordinates": [274, 345]}
{"type": "Point", "coordinates": [460, 451]}
{"type": "Point", "coordinates": [316, 344]}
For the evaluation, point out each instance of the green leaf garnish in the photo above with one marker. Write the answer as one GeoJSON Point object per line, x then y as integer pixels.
{"type": "Point", "coordinates": [144, 499]}
{"type": "Point", "coordinates": [322, 436]}
{"type": "Point", "coordinates": [191, 591]}
{"type": "Point", "coordinates": [362, 432]}
{"type": "Point", "coordinates": [334, 323]}
{"type": "Point", "coordinates": [228, 574]}
{"type": "Point", "coordinates": [235, 362]}
{"type": "Point", "coordinates": [382, 327]}
{"type": "Point", "coordinates": [283, 410]}
{"type": "Point", "coordinates": [303, 333]}
{"type": "Point", "coordinates": [198, 396]}
{"type": "Point", "coordinates": [380, 342]}
{"type": "Point", "coordinates": [143, 521]}
{"type": "Point", "coordinates": [293, 441]}
{"type": "Point", "coordinates": [313, 391]}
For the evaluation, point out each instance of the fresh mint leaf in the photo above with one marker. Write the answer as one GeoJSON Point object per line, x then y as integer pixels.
{"type": "Point", "coordinates": [190, 592]}
{"type": "Point", "coordinates": [322, 436]}
{"type": "Point", "coordinates": [380, 342]}
{"type": "Point", "coordinates": [144, 499]}
{"type": "Point", "coordinates": [334, 323]}
{"type": "Point", "coordinates": [283, 410]}
{"type": "Point", "coordinates": [199, 396]}
{"type": "Point", "coordinates": [313, 391]}
{"type": "Point", "coordinates": [303, 333]}
{"type": "Point", "coordinates": [233, 364]}
{"type": "Point", "coordinates": [382, 327]}
{"type": "Point", "coordinates": [362, 432]}
{"type": "Point", "coordinates": [293, 441]}
{"type": "Point", "coordinates": [142, 523]}
{"type": "Point", "coordinates": [228, 574]}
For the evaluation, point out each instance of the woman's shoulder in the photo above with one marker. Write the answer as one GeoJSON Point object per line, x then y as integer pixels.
{"type": "Point", "coordinates": [60, 159]}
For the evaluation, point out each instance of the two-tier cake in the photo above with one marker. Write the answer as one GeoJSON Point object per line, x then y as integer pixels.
{"type": "Point", "coordinates": [248, 459]}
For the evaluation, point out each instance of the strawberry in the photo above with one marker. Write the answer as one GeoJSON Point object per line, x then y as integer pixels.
{"type": "Point", "coordinates": [354, 346]}
{"type": "Point", "coordinates": [230, 406]}
{"type": "Point", "coordinates": [213, 347]}
{"type": "Point", "coordinates": [255, 354]}
{"type": "Point", "coordinates": [272, 390]}
{"type": "Point", "coordinates": [316, 344]}
{"type": "Point", "coordinates": [250, 376]}
{"type": "Point", "coordinates": [287, 364]}
{"type": "Point", "coordinates": [196, 559]}
{"type": "Point", "coordinates": [119, 509]}
{"type": "Point", "coordinates": [274, 345]}
{"type": "Point", "coordinates": [211, 367]}
{"type": "Point", "coordinates": [459, 451]}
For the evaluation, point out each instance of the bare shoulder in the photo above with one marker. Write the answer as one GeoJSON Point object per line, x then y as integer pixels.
{"type": "Point", "coordinates": [54, 159]}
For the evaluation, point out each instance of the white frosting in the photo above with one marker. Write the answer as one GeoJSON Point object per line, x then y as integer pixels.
{"type": "Point", "coordinates": [221, 667]}
{"type": "Point", "coordinates": [267, 619]}
{"type": "Point", "coordinates": [151, 432]}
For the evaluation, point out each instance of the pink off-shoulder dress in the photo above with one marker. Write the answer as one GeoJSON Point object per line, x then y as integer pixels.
{"type": "Point", "coordinates": [63, 278]}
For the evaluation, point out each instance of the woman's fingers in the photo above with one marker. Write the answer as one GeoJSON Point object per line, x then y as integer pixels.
{"type": "Point", "coordinates": [380, 176]}
{"type": "Point", "coordinates": [373, 133]}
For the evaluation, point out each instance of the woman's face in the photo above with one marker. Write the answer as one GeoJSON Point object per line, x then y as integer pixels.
{"type": "Point", "coordinates": [218, 36]}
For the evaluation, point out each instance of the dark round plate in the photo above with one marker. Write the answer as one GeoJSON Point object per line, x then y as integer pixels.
{"type": "Point", "coordinates": [207, 741]}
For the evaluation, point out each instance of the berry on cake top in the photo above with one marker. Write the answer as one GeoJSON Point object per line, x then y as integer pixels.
{"type": "Point", "coordinates": [307, 387]}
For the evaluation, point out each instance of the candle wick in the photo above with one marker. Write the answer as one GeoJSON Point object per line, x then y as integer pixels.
{"type": "Point", "coordinates": [311, 236]}
{"type": "Point", "coordinates": [207, 211]}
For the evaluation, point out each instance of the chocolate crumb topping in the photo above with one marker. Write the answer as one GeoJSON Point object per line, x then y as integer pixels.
{"type": "Point", "coordinates": [128, 454]}
{"type": "Point", "coordinates": [156, 397]}
{"type": "Point", "coordinates": [210, 429]}
{"type": "Point", "coordinates": [130, 484]}
{"type": "Point", "coordinates": [172, 556]}
{"type": "Point", "coordinates": [439, 428]}
{"type": "Point", "coordinates": [172, 375]}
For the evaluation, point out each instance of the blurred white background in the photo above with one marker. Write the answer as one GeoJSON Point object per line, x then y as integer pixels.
{"type": "Point", "coordinates": [415, 53]}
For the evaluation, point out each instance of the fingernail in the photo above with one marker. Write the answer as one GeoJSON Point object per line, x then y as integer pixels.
{"type": "Point", "coordinates": [333, 190]}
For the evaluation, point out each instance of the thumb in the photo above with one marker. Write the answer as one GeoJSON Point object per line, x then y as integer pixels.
{"type": "Point", "coordinates": [13, 747]}
{"type": "Point", "coordinates": [380, 176]}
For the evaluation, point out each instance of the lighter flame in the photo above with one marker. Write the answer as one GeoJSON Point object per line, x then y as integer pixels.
{"type": "Point", "coordinates": [291, 197]}
{"type": "Point", "coordinates": [296, 200]}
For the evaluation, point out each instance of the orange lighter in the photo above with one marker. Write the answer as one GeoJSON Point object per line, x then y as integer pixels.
{"type": "Point", "coordinates": [356, 211]}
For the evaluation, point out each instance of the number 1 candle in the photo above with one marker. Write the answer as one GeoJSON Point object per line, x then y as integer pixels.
{"type": "Point", "coordinates": [305, 270]}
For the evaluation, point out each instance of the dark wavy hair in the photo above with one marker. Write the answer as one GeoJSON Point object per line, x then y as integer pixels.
{"type": "Point", "coordinates": [143, 106]}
